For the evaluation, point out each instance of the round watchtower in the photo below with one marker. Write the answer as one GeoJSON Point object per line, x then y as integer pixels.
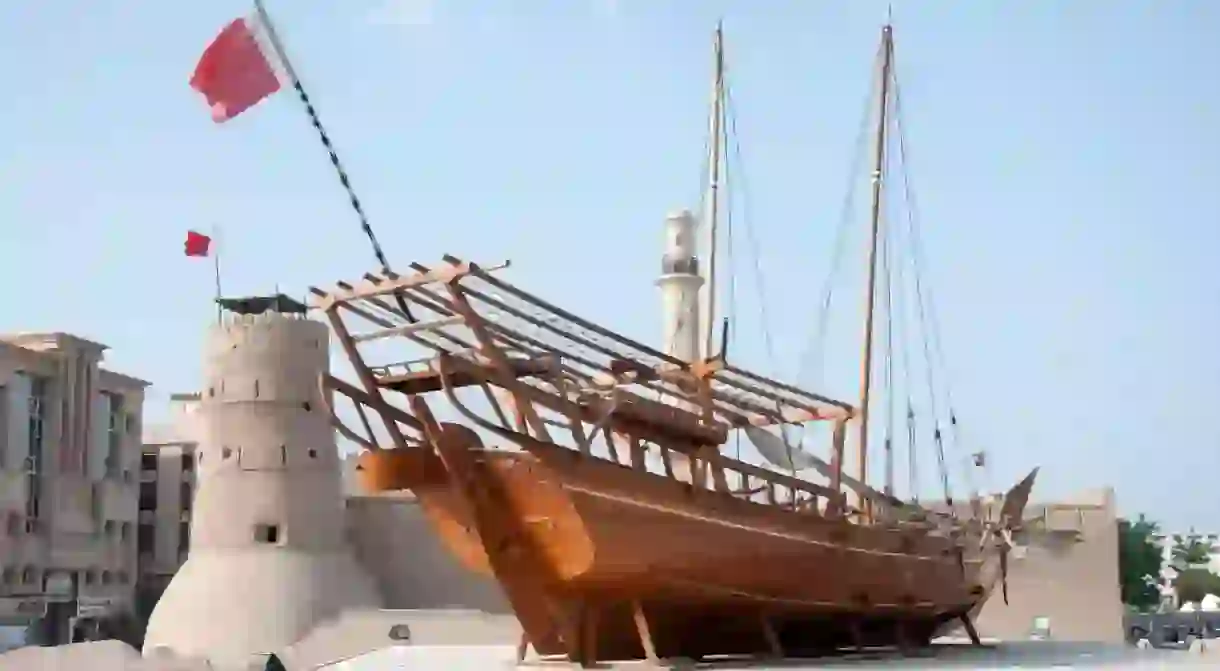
{"type": "Point", "coordinates": [269, 557]}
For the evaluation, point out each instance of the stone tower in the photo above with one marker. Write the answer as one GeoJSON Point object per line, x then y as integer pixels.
{"type": "Point", "coordinates": [269, 558]}
{"type": "Point", "coordinates": [680, 283]}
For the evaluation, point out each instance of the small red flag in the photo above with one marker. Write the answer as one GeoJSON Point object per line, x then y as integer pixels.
{"type": "Point", "coordinates": [197, 244]}
{"type": "Point", "coordinates": [236, 71]}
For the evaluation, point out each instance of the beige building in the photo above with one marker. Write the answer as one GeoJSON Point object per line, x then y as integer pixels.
{"type": "Point", "coordinates": [1063, 576]}
{"type": "Point", "coordinates": [69, 463]}
{"type": "Point", "coordinates": [167, 481]}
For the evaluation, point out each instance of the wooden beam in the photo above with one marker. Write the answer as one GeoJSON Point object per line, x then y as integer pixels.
{"type": "Point", "coordinates": [970, 630]}
{"type": "Point", "coordinates": [408, 329]}
{"type": "Point", "coordinates": [394, 283]}
{"type": "Point", "coordinates": [385, 410]}
{"type": "Point", "coordinates": [630, 416]}
{"type": "Point", "coordinates": [363, 372]}
{"type": "Point", "coordinates": [503, 370]}
{"type": "Point", "coordinates": [425, 381]}
{"type": "Point", "coordinates": [665, 421]}
{"type": "Point", "coordinates": [643, 631]}
{"type": "Point", "coordinates": [797, 416]}
{"type": "Point", "coordinates": [726, 406]}
{"type": "Point", "coordinates": [796, 391]}
{"type": "Point", "coordinates": [773, 643]}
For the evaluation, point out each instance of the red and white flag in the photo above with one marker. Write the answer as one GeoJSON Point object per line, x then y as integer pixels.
{"type": "Point", "coordinates": [197, 244]}
{"type": "Point", "coordinates": [239, 69]}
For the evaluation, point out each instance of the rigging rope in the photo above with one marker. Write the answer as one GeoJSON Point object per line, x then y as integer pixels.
{"type": "Point", "coordinates": [888, 310]}
{"type": "Point", "coordinates": [751, 238]}
{"type": "Point", "coordinates": [904, 355]}
{"type": "Point", "coordinates": [353, 199]}
{"type": "Point", "coordinates": [760, 286]}
{"type": "Point", "coordinates": [921, 301]}
{"type": "Point", "coordinates": [815, 351]}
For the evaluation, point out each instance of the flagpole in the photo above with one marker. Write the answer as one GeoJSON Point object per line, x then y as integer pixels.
{"type": "Point", "coordinates": [216, 268]}
{"type": "Point", "coordinates": [278, 46]}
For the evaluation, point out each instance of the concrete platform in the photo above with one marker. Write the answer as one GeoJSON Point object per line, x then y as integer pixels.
{"type": "Point", "coordinates": [433, 652]}
{"type": "Point", "coordinates": [1031, 655]}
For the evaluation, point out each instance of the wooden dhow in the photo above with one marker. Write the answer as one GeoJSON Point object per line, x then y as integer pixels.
{"type": "Point", "coordinates": [584, 472]}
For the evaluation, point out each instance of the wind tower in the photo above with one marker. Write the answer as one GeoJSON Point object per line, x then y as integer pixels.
{"type": "Point", "coordinates": [269, 558]}
{"type": "Point", "coordinates": [680, 284]}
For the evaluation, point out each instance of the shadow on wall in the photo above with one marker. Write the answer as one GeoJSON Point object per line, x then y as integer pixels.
{"type": "Point", "coordinates": [394, 541]}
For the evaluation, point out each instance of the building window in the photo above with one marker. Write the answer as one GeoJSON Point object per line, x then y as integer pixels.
{"type": "Point", "coordinates": [90, 577]}
{"type": "Point", "coordinates": [125, 531]}
{"type": "Point", "coordinates": [114, 434]}
{"type": "Point", "coordinates": [9, 576]}
{"type": "Point", "coordinates": [37, 415]}
{"type": "Point", "coordinates": [106, 577]}
{"type": "Point", "coordinates": [184, 538]}
{"type": "Point", "coordinates": [148, 496]}
{"type": "Point", "coordinates": [400, 632]}
{"type": "Point", "coordinates": [148, 462]}
{"type": "Point", "coordinates": [185, 497]}
{"type": "Point", "coordinates": [3, 421]}
{"type": "Point", "coordinates": [146, 541]}
{"type": "Point", "coordinates": [188, 462]}
{"type": "Point", "coordinates": [33, 495]}
{"type": "Point", "coordinates": [37, 421]}
{"type": "Point", "coordinates": [27, 575]}
{"type": "Point", "coordinates": [267, 533]}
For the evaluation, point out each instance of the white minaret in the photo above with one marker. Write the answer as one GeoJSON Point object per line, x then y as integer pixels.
{"type": "Point", "coordinates": [269, 558]}
{"type": "Point", "coordinates": [680, 282]}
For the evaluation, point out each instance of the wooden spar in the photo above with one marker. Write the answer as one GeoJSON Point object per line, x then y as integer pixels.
{"type": "Point", "coordinates": [390, 285]}
{"type": "Point", "coordinates": [757, 415]}
{"type": "Point", "coordinates": [871, 297]}
{"type": "Point", "coordinates": [422, 382]}
{"type": "Point", "coordinates": [716, 130]}
{"type": "Point", "coordinates": [738, 397]}
{"type": "Point", "coordinates": [670, 370]}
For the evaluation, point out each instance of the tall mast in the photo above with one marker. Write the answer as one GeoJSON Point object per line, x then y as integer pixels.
{"type": "Point", "coordinates": [887, 52]}
{"type": "Point", "coordinates": [713, 190]}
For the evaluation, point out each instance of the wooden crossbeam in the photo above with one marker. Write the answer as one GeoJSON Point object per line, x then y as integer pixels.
{"type": "Point", "coordinates": [424, 381]}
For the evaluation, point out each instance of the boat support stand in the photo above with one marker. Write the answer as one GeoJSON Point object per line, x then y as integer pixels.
{"type": "Point", "coordinates": [970, 630]}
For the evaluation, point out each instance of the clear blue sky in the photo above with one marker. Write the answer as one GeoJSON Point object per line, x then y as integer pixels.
{"type": "Point", "coordinates": [1064, 155]}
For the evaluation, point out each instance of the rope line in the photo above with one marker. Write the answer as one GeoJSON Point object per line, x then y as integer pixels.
{"type": "Point", "coordinates": [344, 180]}
{"type": "Point", "coordinates": [922, 299]}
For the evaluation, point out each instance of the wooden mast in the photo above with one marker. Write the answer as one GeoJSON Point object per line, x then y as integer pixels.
{"type": "Point", "coordinates": [716, 131]}
{"type": "Point", "coordinates": [887, 50]}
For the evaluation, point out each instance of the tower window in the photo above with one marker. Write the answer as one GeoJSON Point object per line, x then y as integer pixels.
{"type": "Point", "coordinates": [267, 533]}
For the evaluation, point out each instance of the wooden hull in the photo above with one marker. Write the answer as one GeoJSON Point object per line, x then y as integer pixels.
{"type": "Point", "coordinates": [705, 567]}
